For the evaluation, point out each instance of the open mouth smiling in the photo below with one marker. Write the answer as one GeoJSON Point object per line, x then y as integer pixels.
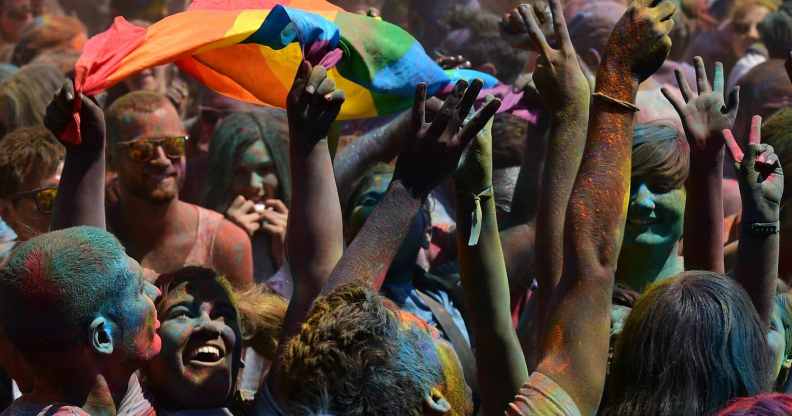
{"type": "Point", "coordinates": [206, 354]}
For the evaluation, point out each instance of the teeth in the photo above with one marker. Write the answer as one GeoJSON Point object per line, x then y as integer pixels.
{"type": "Point", "coordinates": [210, 350]}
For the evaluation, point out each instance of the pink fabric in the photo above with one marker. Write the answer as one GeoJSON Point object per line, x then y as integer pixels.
{"type": "Point", "coordinates": [208, 225]}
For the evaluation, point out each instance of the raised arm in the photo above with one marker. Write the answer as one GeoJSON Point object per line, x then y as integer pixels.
{"type": "Point", "coordinates": [499, 359]}
{"type": "Point", "coordinates": [575, 349]}
{"type": "Point", "coordinates": [80, 199]}
{"type": "Point", "coordinates": [314, 235]}
{"type": "Point", "coordinates": [431, 154]}
{"type": "Point", "coordinates": [379, 145]}
{"type": "Point", "coordinates": [566, 95]}
{"type": "Point", "coordinates": [761, 186]}
{"type": "Point", "coordinates": [704, 116]}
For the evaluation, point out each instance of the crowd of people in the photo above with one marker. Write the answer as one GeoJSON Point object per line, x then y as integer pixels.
{"type": "Point", "coordinates": [600, 234]}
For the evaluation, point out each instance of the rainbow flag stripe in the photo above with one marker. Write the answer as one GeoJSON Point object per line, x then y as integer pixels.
{"type": "Point", "coordinates": [250, 50]}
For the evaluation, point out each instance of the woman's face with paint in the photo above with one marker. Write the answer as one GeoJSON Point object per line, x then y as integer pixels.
{"type": "Point", "coordinates": [200, 332]}
{"type": "Point", "coordinates": [654, 218]}
{"type": "Point", "coordinates": [254, 175]}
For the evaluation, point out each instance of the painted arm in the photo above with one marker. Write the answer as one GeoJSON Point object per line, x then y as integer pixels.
{"type": "Point", "coordinates": [314, 236]}
{"type": "Point", "coordinates": [499, 359]}
{"type": "Point", "coordinates": [432, 154]}
{"type": "Point", "coordinates": [81, 191]}
{"type": "Point", "coordinates": [575, 348]}
{"type": "Point", "coordinates": [761, 186]}
{"type": "Point", "coordinates": [566, 95]}
{"type": "Point", "coordinates": [704, 116]}
{"type": "Point", "coordinates": [379, 145]}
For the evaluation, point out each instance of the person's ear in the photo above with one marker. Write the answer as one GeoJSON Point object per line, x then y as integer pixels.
{"type": "Point", "coordinates": [435, 404]}
{"type": "Point", "coordinates": [101, 335]}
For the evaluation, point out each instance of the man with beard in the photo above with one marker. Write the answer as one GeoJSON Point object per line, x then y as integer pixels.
{"type": "Point", "coordinates": [147, 150]}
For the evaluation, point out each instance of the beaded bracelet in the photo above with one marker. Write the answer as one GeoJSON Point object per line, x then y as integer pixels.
{"type": "Point", "coordinates": [765, 228]}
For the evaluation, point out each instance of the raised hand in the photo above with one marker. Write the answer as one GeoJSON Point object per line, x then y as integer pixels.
{"type": "Point", "coordinates": [760, 176]}
{"type": "Point", "coordinates": [475, 168]}
{"type": "Point", "coordinates": [513, 25]}
{"type": "Point", "coordinates": [704, 115]}
{"type": "Point", "coordinates": [312, 106]}
{"type": "Point", "coordinates": [432, 150]}
{"type": "Point", "coordinates": [558, 76]}
{"type": "Point", "coordinates": [275, 217]}
{"type": "Point", "coordinates": [640, 41]}
{"type": "Point", "coordinates": [243, 213]}
{"type": "Point", "coordinates": [92, 121]}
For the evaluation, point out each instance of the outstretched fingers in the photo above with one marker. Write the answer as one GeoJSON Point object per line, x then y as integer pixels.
{"type": "Point", "coordinates": [718, 79]}
{"type": "Point", "coordinates": [419, 108]}
{"type": "Point", "coordinates": [534, 29]}
{"type": "Point", "coordinates": [448, 111]}
{"type": "Point", "coordinates": [701, 76]}
{"type": "Point", "coordinates": [733, 103]}
{"type": "Point", "coordinates": [469, 99]}
{"type": "Point", "coordinates": [479, 120]}
{"type": "Point", "coordinates": [734, 148]}
{"type": "Point", "coordinates": [755, 137]}
{"type": "Point", "coordinates": [678, 105]}
{"type": "Point", "coordinates": [560, 26]}
{"type": "Point", "coordinates": [684, 87]}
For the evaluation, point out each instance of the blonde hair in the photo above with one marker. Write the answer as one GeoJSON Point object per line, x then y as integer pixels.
{"type": "Point", "coordinates": [262, 313]}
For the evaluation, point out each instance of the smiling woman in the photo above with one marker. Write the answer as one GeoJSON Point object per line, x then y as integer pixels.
{"type": "Point", "coordinates": [201, 343]}
{"type": "Point", "coordinates": [655, 215]}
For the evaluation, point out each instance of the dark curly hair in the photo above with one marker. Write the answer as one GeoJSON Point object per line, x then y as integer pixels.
{"type": "Point", "coordinates": [354, 357]}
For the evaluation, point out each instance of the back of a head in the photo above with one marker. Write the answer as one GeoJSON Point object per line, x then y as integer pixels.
{"type": "Point", "coordinates": [358, 360]}
{"type": "Point", "coordinates": [136, 103]}
{"type": "Point", "coordinates": [591, 25]}
{"type": "Point", "coordinates": [24, 152]}
{"type": "Point", "coordinates": [690, 344]}
{"type": "Point", "coordinates": [776, 31]}
{"type": "Point", "coordinates": [54, 285]}
{"type": "Point", "coordinates": [49, 33]}
{"type": "Point", "coordinates": [24, 96]}
{"type": "Point", "coordinates": [770, 404]}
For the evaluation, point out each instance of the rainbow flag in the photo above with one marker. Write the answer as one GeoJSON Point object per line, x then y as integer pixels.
{"type": "Point", "coordinates": [250, 50]}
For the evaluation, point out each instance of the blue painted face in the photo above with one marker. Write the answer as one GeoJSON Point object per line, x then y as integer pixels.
{"type": "Point", "coordinates": [654, 218]}
{"type": "Point", "coordinates": [200, 345]}
{"type": "Point", "coordinates": [139, 316]}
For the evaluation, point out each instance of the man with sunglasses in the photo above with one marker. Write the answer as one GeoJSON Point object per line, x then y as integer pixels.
{"type": "Point", "coordinates": [31, 161]}
{"type": "Point", "coordinates": [147, 149]}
